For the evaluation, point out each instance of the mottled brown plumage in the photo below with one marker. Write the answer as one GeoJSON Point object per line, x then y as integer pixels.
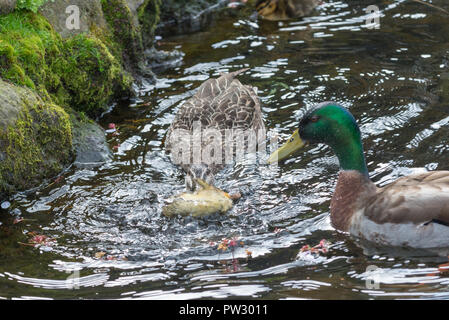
{"type": "Point", "coordinates": [222, 104]}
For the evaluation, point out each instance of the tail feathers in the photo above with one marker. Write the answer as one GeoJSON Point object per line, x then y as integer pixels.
{"type": "Point", "coordinates": [444, 223]}
{"type": "Point", "coordinates": [236, 73]}
{"type": "Point", "coordinates": [214, 86]}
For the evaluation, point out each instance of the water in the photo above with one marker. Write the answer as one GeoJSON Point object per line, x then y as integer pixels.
{"type": "Point", "coordinates": [108, 239]}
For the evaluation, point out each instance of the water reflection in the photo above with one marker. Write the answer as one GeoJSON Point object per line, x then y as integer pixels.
{"type": "Point", "coordinates": [107, 221]}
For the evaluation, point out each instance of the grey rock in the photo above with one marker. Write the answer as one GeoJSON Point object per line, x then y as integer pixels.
{"type": "Point", "coordinates": [133, 6]}
{"type": "Point", "coordinates": [35, 139]}
{"type": "Point", "coordinates": [90, 11]}
{"type": "Point", "coordinates": [7, 6]}
{"type": "Point", "coordinates": [89, 143]}
{"type": "Point", "coordinates": [160, 61]}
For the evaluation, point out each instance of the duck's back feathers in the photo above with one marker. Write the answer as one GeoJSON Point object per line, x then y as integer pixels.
{"type": "Point", "coordinates": [418, 198]}
{"type": "Point", "coordinates": [223, 103]}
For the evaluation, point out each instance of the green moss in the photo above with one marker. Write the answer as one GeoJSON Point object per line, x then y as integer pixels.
{"type": "Point", "coordinates": [78, 72]}
{"type": "Point", "coordinates": [149, 14]}
{"type": "Point", "coordinates": [126, 32]}
{"type": "Point", "coordinates": [31, 5]}
{"type": "Point", "coordinates": [107, 37]}
{"type": "Point", "coordinates": [74, 78]}
{"type": "Point", "coordinates": [17, 75]}
{"type": "Point", "coordinates": [7, 53]}
{"type": "Point", "coordinates": [36, 145]}
{"type": "Point", "coordinates": [90, 73]}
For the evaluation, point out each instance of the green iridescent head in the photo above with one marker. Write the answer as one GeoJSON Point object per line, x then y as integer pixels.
{"type": "Point", "coordinates": [331, 124]}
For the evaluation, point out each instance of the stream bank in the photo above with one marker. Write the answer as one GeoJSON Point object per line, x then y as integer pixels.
{"type": "Point", "coordinates": [59, 70]}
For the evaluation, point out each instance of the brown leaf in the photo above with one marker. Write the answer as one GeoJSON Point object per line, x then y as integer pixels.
{"type": "Point", "coordinates": [99, 254]}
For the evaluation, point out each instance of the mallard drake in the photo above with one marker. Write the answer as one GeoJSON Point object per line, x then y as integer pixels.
{"type": "Point", "coordinates": [285, 9]}
{"type": "Point", "coordinates": [201, 126]}
{"type": "Point", "coordinates": [412, 212]}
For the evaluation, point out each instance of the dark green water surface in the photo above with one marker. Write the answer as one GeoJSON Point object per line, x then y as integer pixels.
{"type": "Point", "coordinates": [105, 222]}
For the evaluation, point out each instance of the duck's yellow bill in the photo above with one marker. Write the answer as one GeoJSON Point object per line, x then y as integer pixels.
{"type": "Point", "coordinates": [294, 143]}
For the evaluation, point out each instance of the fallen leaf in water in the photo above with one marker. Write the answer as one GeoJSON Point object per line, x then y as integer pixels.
{"type": "Point", "coordinates": [222, 247]}
{"type": "Point", "coordinates": [37, 240]}
{"type": "Point", "coordinates": [59, 179]}
{"type": "Point", "coordinates": [99, 254]}
{"type": "Point", "coordinates": [17, 220]}
{"type": "Point", "coordinates": [114, 258]}
{"type": "Point", "coordinates": [40, 239]}
{"type": "Point", "coordinates": [103, 256]}
{"type": "Point", "coordinates": [322, 247]}
{"type": "Point", "coordinates": [111, 128]}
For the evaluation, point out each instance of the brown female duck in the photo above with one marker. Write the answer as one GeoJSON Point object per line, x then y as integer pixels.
{"type": "Point", "coordinates": [219, 106]}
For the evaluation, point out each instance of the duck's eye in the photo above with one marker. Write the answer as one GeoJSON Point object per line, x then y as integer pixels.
{"type": "Point", "coordinates": [314, 118]}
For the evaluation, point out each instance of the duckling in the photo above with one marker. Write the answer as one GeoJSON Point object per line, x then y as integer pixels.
{"type": "Point", "coordinates": [285, 9]}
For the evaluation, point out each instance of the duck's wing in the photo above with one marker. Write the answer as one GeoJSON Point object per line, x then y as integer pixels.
{"type": "Point", "coordinates": [222, 103]}
{"type": "Point", "coordinates": [418, 199]}
{"type": "Point", "coordinates": [231, 105]}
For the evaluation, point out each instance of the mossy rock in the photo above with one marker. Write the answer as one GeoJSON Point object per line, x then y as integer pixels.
{"type": "Point", "coordinates": [79, 72]}
{"type": "Point", "coordinates": [149, 17]}
{"type": "Point", "coordinates": [90, 14]}
{"type": "Point", "coordinates": [89, 143]}
{"type": "Point", "coordinates": [91, 74]}
{"type": "Point", "coordinates": [125, 29]}
{"type": "Point", "coordinates": [35, 139]}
